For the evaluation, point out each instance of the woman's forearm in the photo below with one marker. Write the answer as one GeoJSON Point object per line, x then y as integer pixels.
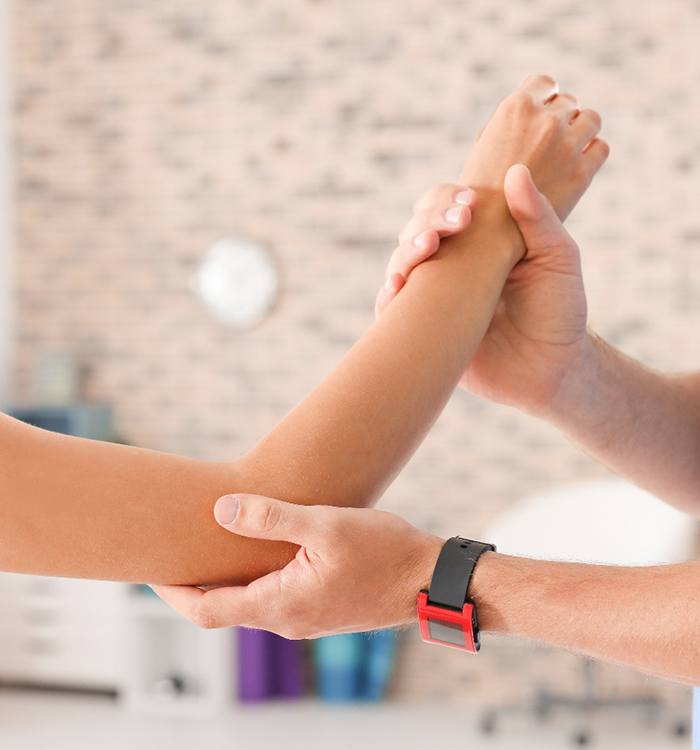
{"type": "Point", "coordinates": [81, 508]}
{"type": "Point", "coordinates": [345, 443]}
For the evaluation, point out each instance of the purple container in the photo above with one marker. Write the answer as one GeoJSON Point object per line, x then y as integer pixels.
{"type": "Point", "coordinates": [268, 666]}
{"type": "Point", "coordinates": [254, 665]}
{"type": "Point", "coordinates": [288, 668]}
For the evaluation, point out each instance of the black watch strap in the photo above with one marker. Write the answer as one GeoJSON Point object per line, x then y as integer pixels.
{"type": "Point", "coordinates": [453, 571]}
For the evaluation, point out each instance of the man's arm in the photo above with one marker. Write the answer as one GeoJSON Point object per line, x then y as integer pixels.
{"type": "Point", "coordinates": [647, 618]}
{"type": "Point", "coordinates": [642, 424]}
{"type": "Point", "coordinates": [539, 356]}
{"type": "Point", "coordinates": [362, 570]}
{"type": "Point", "coordinates": [77, 508]}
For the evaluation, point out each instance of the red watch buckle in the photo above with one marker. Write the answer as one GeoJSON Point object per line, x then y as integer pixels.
{"type": "Point", "coordinates": [447, 627]}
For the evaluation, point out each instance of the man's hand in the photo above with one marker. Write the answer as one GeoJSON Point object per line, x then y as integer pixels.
{"type": "Point", "coordinates": [538, 333]}
{"type": "Point", "coordinates": [356, 570]}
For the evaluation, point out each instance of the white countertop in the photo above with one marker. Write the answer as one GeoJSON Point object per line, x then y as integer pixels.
{"type": "Point", "coordinates": [39, 721]}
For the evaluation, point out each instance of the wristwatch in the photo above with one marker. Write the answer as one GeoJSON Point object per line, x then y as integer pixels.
{"type": "Point", "coordinates": [446, 615]}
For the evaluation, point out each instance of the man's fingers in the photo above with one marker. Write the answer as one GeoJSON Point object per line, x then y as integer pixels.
{"type": "Point", "coordinates": [265, 518]}
{"type": "Point", "coordinates": [536, 218]}
{"type": "Point", "coordinates": [217, 608]}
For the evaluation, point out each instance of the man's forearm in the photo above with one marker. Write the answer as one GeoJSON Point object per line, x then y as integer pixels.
{"type": "Point", "coordinates": [643, 425]}
{"type": "Point", "coordinates": [647, 618]}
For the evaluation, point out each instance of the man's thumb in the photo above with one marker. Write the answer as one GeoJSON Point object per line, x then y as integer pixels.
{"type": "Point", "coordinates": [538, 222]}
{"type": "Point", "coordinates": [265, 518]}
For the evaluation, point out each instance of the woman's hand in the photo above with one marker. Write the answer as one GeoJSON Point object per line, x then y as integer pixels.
{"type": "Point", "coordinates": [538, 333]}
{"type": "Point", "coordinates": [442, 211]}
{"type": "Point", "coordinates": [549, 133]}
{"type": "Point", "coordinates": [356, 570]}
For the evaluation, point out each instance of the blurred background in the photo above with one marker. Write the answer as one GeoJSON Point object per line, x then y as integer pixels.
{"type": "Point", "coordinates": [197, 201]}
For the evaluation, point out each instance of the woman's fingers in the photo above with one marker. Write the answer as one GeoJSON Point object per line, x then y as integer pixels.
{"type": "Point", "coordinates": [596, 153]}
{"type": "Point", "coordinates": [566, 105]}
{"type": "Point", "coordinates": [411, 252]}
{"type": "Point", "coordinates": [445, 195]}
{"type": "Point", "coordinates": [442, 211]}
{"type": "Point", "coordinates": [586, 126]}
{"type": "Point", "coordinates": [444, 219]}
{"type": "Point", "coordinates": [540, 87]}
{"type": "Point", "coordinates": [391, 288]}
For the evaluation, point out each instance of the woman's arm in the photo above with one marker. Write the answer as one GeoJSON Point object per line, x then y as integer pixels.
{"type": "Point", "coordinates": [79, 508]}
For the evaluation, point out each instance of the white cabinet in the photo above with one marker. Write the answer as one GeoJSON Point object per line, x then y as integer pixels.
{"type": "Point", "coordinates": [62, 632]}
{"type": "Point", "coordinates": [173, 666]}
{"type": "Point", "coordinates": [94, 635]}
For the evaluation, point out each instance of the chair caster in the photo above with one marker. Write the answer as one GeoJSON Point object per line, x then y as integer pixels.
{"type": "Point", "coordinates": [680, 729]}
{"type": "Point", "coordinates": [487, 725]}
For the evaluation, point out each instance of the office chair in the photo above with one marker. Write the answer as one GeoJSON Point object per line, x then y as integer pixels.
{"type": "Point", "coordinates": [607, 522]}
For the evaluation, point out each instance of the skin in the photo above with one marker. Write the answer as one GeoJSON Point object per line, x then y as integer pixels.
{"type": "Point", "coordinates": [643, 424]}
{"type": "Point", "coordinates": [96, 510]}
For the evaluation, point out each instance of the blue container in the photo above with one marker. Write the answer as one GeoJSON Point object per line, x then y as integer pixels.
{"type": "Point", "coordinates": [380, 656]}
{"type": "Point", "coordinates": [339, 661]}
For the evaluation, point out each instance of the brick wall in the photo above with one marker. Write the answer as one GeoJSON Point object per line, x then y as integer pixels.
{"type": "Point", "coordinates": [145, 131]}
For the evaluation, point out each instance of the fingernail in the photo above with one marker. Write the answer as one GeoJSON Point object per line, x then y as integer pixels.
{"type": "Point", "coordinates": [421, 240]}
{"type": "Point", "coordinates": [226, 509]}
{"type": "Point", "coordinates": [453, 215]}
{"type": "Point", "coordinates": [465, 197]}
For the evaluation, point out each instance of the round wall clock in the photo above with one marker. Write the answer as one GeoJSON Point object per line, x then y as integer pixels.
{"type": "Point", "coordinates": [237, 282]}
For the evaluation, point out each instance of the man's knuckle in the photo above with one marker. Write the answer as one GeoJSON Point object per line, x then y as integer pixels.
{"type": "Point", "coordinates": [270, 517]}
{"type": "Point", "coordinates": [292, 632]}
{"type": "Point", "coordinates": [204, 617]}
{"type": "Point", "coordinates": [333, 527]}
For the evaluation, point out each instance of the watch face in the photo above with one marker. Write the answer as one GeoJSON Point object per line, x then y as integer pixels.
{"type": "Point", "coordinates": [447, 627]}
{"type": "Point", "coordinates": [446, 632]}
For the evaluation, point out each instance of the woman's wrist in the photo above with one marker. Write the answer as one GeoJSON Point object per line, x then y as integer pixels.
{"type": "Point", "coordinates": [492, 228]}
